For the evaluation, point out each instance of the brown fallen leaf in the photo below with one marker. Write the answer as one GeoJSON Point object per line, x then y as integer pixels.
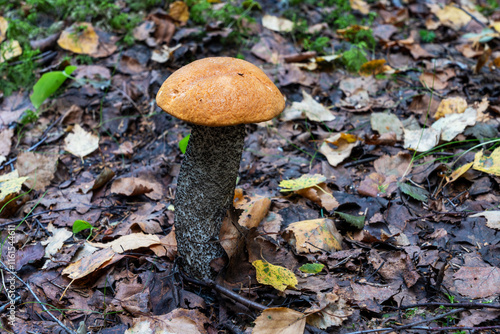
{"type": "Point", "coordinates": [280, 320]}
{"type": "Point", "coordinates": [39, 168]}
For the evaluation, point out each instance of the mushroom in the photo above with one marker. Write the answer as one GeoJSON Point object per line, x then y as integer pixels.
{"type": "Point", "coordinates": [218, 96]}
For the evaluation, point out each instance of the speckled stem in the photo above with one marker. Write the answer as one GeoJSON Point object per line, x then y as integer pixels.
{"type": "Point", "coordinates": [205, 190]}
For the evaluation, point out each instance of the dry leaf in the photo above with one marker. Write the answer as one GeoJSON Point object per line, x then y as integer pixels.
{"type": "Point", "coordinates": [39, 168]}
{"type": "Point", "coordinates": [421, 140]}
{"type": "Point", "coordinates": [81, 142]}
{"type": "Point", "coordinates": [360, 6]}
{"type": "Point", "coordinates": [129, 242]}
{"type": "Point", "coordinates": [179, 11]}
{"type": "Point", "coordinates": [79, 38]}
{"type": "Point", "coordinates": [386, 123]}
{"type": "Point", "coordinates": [451, 16]}
{"type": "Point", "coordinates": [275, 23]}
{"type": "Point", "coordinates": [10, 49]}
{"type": "Point", "coordinates": [452, 105]}
{"type": "Point", "coordinates": [331, 311]}
{"type": "Point", "coordinates": [308, 108]}
{"type": "Point", "coordinates": [488, 164]}
{"type": "Point", "coordinates": [312, 236]}
{"type": "Point", "coordinates": [280, 320]}
{"type": "Point", "coordinates": [255, 209]}
{"type": "Point", "coordinates": [4, 24]}
{"type": "Point", "coordinates": [452, 125]}
{"type": "Point", "coordinates": [492, 218]}
{"type": "Point", "coordinates": [338, 147]}
{"type": "Point", "coordinates": [54, 243]}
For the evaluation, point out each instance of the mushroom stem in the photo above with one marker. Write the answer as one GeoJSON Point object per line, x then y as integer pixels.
{"type": "Point", "coordinates": [205, 191]}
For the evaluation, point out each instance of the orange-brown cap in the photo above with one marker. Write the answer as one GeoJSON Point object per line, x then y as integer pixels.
{"type": "Point", "coordinates": [220, 91]}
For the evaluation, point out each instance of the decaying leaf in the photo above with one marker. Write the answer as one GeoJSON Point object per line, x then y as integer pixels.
{"type": "Point", "coordinates": [4, 25]}
{"type": "Point", "coordinates": [331, 311]}
{"type": "Point", "coordinates": [308, 108]}
{"type": "Point", "coordinates": [492, 218]}
{"type": "Point", "coordinates": [255, 209]}
{"type": "Point", "coordinates": [278, 277]}
{"type": "Point", "coordinates": [375, 67]}
{"type": "Point", "coordinates": [338, 147]}
{"type": "Point", "coordinates": [129, 242]}
{"type": "Point", "coordinates": [81, 142]}
{"type": "Point", "coordinates": [303, 182]}
{"type": "Point", "coordinates": [56, 240]}
{"type": "Point", "coordinates": [488, 164]}
{"type": "Point", "coordinates": [10, 187]}
{"type": "Point", "coordinates": [280, 320]}
{"type": "Point", "coordinates": [10, 49]}
{"type": "Point", "coordinates": [458, 172]}
{"type": "Point", "coordinates": [39, 168]}
{"type": "Point", "coordinates": [386, 123]}
{"type": "Point", "coordinates": [312, 236]}
{"type": "Point", "coordinates": [451, 16]}
{"type": "Point", "coordinates": [452, 125]}
{"type": "Point", "coordinates": [179, 11]}
{"type": "Point", "coordinates": [275, 23]}
{"type": "Point", "coordinates": [421, 140]}
{"type": "Point", "coordinates": [452, 105]}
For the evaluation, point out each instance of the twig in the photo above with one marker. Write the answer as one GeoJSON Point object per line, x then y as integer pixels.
{"type": "Point", "coordinates": [399, 328]}
{"type": "Point", "coordinates": [37, 299]}
{"type": "Point", "coordinates": [434, 329]}
{"type": "Point", "coordinates": [240, 299]}
{"type": "Point", "coordinates": [472, 16]}
{"type": "Point", "coordinates": [360, 161]}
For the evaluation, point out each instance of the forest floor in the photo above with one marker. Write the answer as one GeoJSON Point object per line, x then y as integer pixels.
{"type": "Point", "coordinates": [372, 201]}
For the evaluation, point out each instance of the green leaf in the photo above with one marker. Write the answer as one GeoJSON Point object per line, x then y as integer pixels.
{"type": "Point", "coordinates": [312, 268]}
{"type": "Point", "coordinates": [48, 84]}
{"type": "Point", "coordinates": [417, 193]}
{"type": "Point", "coordinates": [184, 143]}
{"type": "Point", "coordinates": [303, 182]}
{"type": "Point", "coordinates": [356, 221]}
{"type": "Point", "coordinates": [80, 225]}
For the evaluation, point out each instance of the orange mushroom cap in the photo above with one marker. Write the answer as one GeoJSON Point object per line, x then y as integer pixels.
{"type": "Point", "coordinates": [220, 91]}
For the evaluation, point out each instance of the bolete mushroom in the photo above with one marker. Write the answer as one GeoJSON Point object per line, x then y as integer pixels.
{"type": "Point", "coordinates": [218, 96]}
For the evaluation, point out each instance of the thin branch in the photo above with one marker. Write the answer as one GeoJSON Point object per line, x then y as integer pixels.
{"type": "Point", "coordinates": [37, 299]}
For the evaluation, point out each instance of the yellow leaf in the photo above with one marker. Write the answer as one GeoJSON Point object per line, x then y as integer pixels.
{"type": "Point", "coordinates": [3, 28]}
{"type": "Point", "coordinates": [360, 6]}
{"type": "Point", "coordinates": [255, 209]}
{"type": "Point", "coordinates": [452, 105]}
{"type": "Point", "coordinates": [452, 16]}
{"type": "Point", "coordinates": [79, 38]}
{"type": "Point", "coordinates": [278, 277]}
{"type": "Point", "coordinates": [490, 165]}
{"type": "Point", "coordinates": [316, 235]}
{"type": "Point", "coordinates": [305, 181]}
{"type": "Point", "coordinates": [10, 184]}
{"type": "Point", "coordinates": [459, 172]}
{"type": "Point", "coordinates": [81, 142]}
{"type": "Point", "coordinates": [10, 49]}
{"type": "Point", "coordinates": [496, 26]}
{"type": "Point", "coordinates": [374, 67]}
{"type": "Point", "coordinates": [279, 320]}
{"type": "Point", "coordinates": [179, 11]}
